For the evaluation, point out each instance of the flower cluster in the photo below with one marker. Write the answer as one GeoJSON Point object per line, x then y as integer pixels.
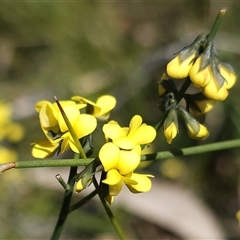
{"type": "Point", "coordinates": [199, 64]}
{"type": "Point", "coordinates": [199, 61]}
{"type": "Point", "coordinates": [121, 155]}
{"type": "Point", "coordinates": [81, 114]}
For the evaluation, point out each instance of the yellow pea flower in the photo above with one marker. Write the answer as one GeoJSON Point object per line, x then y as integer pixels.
{"type": "Point", "coordinates": [112, 157]}
{"type": "Point", "coordinates": [136, 183]}
{"type": "Point", "coordinates": [128, 137]}
{"type": "Point", "coordinates": [56, 130]}
{"type": "Point", "coordinates": [101, 109]}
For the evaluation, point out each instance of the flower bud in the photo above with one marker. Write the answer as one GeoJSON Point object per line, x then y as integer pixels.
{"type": "Point", "coordinates": [170, 126]}
{"type": "Point", "coordinates": [179, 67]}
{"type": "Point", "coordinates": [195, 129]}
{"type": "Point", "coordinates": [229, 75]}
{"type": "Point", "coordinates": [198, 103]}
{"type": "Point", "coordinates": [214, 92]}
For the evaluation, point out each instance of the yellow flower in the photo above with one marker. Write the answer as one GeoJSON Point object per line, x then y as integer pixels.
{"type": "Point", "coordinates": [128, 137]}
{"type": "Point", "coordinates": [123, 151]}
{"type": "Point", "coordinates": [178, 68]}
{"type": "Point", "coordinates": [200, 77]}
{"type": "Point", "coordinates": [101, 109]}
{"type": "Point", "coordinates": [56, 130]}
{"type": "Point", "coordinates": [136, 183]}
{"type": "Point", "coordinates": [112, 157]}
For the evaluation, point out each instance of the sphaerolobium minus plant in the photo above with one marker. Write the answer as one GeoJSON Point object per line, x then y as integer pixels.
{"type": "Point", "coordinates": [70, 125]}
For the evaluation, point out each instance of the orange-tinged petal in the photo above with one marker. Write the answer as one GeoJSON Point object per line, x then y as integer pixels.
{"type": "Point", "coordinates": [109, 156]}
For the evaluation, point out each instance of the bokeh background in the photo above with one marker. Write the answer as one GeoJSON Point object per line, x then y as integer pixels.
{"type": "Point", "coordinates": [116, 47]}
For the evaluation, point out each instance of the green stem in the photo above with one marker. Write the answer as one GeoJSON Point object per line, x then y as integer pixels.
{"type": "Point", "coordinates": [211, 147]}
{"type": "Point", "coordinates": [66, 202]}
{"type": "Point", "coordinates": [82, 201]}
{"type": "Point", "coordinates": [111, 217]}
{"type": "Point", "coordinates": [53, 163]}
{"type": "Point", "coordinates": [216, 24]}
{"type": "Point", "coordinates": [71, 130]}
{"type": "Point", "coordinates": [183, 89]}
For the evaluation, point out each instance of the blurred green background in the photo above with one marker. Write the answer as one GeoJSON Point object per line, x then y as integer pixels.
{"type": "Point", "coordinates": [115, 47]}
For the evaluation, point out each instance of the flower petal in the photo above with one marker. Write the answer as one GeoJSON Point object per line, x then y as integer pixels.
{"type": "Point", "coordinates": [85, 125]}
{"type": "Point", "coordinates": [144, 184]}
{"type": "Point", "coordinates": [170, 132]}
{"type": "Point", "coordinates": [44, 149]}
{"type": "Point", "coordinates": [178, 69]}
{"type": "Point", "coordinates": [128, 160]}
{"type": "Point", "coordinates": [106, 103]}
{"type": "Point", "coordinates": [213, 91]}
{"type": "Point", "coordinates": [114, 180]}
{"type": "Point", "coordinates": [109, 199]}
{"type": "Point", "coordinates": [124, 143]}
{"type": "Point", "coordinates": [144, 134]}
{"type": "Point", "coordinates": [109, 156]}
{"type": "Point", "coordinates": [134, 124]}
{"type": "Point", "coordinates": [48, 115]}
{"type": "Point", "coordinates": [112, 130]}
{"type": "Point", "coordinates": [72, 113]}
